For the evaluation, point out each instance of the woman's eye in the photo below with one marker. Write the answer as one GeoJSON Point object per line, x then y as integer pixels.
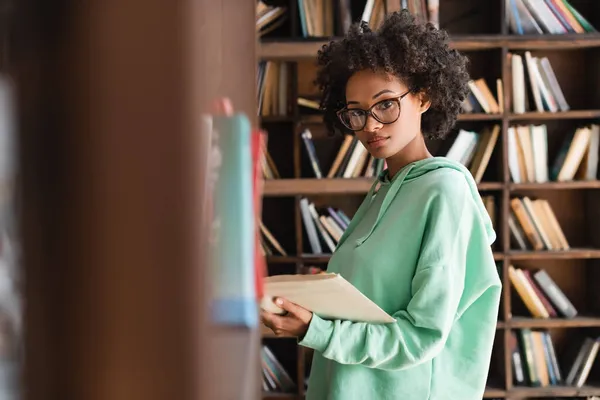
{"type": "Point", "coordinates": [354, 113]}
{"type": "Point", "coordinates": [386, 104]}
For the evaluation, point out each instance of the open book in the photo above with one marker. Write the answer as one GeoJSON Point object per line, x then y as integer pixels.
{"type": "Point", "coordinates": [328, 295]}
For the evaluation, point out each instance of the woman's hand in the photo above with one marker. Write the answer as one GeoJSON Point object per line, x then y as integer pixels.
{"type": "Point", "coordinates": [293, 323]}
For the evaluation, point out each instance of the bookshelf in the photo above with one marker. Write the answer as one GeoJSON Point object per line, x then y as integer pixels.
{"type": "Point", "coordinates": [483, 33]}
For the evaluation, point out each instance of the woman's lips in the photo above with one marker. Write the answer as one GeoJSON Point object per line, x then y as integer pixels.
{"type": "Point", "coordinates": [377, 141]}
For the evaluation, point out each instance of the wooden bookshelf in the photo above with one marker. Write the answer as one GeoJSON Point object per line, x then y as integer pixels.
{"type": "Point", "coordinates": [307, 49]}
{"type": "Point", "coordinates": [484, 36]}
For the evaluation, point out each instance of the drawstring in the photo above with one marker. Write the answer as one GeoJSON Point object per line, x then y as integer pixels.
{"type": "Point", "coordinates": [360, 212]}
{"type": "Point", "coordinates": [389, 197]}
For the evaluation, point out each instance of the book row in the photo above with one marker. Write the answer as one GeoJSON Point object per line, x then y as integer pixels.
{"type": "Point", "coordinates": [577, 158]}
{"type": "Point", "coordinates": [540, 294]}
{"type": "Point", "coordinates": [319, 18]}
{"type": "Point", "coordinates": [533, 225]}
{"type": "Point", "coordinates": [535, 362]}
{"type": "Point", "coordinates": [530, 17]}
{"type": "Point", "coordinates": [532, 86]}
{"type": "Point", "coordinates": [528, 157]}
{"type": "Point", "coordinates": [275, 378]}
{"type": "Point", "coordinates": [324, 226]}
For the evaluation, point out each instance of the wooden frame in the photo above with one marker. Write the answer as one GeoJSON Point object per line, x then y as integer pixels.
{"type": "Point", "coordinates": [117, 286]}
{"type": "Point", "coordinates": [283, 195]}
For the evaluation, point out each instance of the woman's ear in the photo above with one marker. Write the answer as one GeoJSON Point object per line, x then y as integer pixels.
{"type": "Point", "coordinates": [424, 102]}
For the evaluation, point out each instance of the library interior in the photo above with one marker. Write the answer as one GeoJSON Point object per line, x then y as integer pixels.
{"type": "Point", "coordinates": [170, 170]}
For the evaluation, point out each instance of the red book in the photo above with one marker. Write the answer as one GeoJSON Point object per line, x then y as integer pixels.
{"type": "Point", "coordinates": [259, 141]}
{"type": "Point", "coordinates": [538, 292]}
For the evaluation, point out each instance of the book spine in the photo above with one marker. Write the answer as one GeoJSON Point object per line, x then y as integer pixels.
{"type": "Point", "coordinates": [311, 229]}
{"type": "Point", "coordinates": [312, 154]}
{"type": "Point", "coordinates": [233, 254]}
{"type": "Point", "coordinates": [556, 296]}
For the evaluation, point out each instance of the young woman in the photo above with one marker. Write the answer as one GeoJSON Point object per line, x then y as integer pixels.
{"type": "Point", "coordinates": [419, 245]}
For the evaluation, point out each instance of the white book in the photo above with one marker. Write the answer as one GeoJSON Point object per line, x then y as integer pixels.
{"type": "Point", "coordinates": [459, 151]}
{"type": "Point", "coordinates": [592, 161]}
{"type": "Point", "coordinates": [539, 141]}
{"type": "Point", "coordinates": [518, 84]}
{"type": "Point", "coordinates": [513, 159]}
{"type": "Point", "coordinates": [328, 295]}
{"type": "Point", "coordinates": [359, 149]}
{"type": "Point", "coordinates": [534, 81]}
{"type": "Point", "coordinates": [309, 225]}
{"type": "Point", "coordinates": [577, 150]}
{"type": "Point", "coordinates": [368, 10]}
{"type": "Point", "coordinates": [315, 216]}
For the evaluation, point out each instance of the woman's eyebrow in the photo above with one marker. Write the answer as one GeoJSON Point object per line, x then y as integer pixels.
{"type": "Point", "coordinates": [384, 91]}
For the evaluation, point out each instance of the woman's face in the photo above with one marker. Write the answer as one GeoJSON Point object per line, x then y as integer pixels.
{"type": "Point", "coordinates": [398, 111]}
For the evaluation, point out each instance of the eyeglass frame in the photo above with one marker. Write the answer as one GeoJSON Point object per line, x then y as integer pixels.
{"type": "Point", "coordinates": [368, 112]}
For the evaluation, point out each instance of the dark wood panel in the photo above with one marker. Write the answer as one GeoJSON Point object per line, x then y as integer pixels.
{"type": "Point", "coordinates": [552, 391]}
{"type": "Point", "coordinates": [310, 186]}
{"type": "Point", "coordinates": [578, 322]}
{"type": "Point", "coordinates": [293, 49]}
{"type": "Point", "coordinates": [340, 186]}
{"type": "Point", "coordinates": [572, 114]}
{"type": "Point", "coordinates": [549, 255]}
{"type": "Point", "coordinates": [480, 116]}
{"type": "Point", "coordinates": [572, 185]}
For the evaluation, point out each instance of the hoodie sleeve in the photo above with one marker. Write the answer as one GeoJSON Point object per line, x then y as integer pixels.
{"type": "Point", "coordinates": [420, 330]}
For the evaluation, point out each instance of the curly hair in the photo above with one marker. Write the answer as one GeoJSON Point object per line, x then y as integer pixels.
{"type": "Point", "coordinates": [416, 53]}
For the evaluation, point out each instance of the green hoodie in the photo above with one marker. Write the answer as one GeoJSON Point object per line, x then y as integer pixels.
{"type": "Point", "coordinates": [421, 249]}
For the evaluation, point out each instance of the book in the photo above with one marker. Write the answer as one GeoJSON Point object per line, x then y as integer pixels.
{"type": "Point", "coordinates": [328, 295]}
{"type": "Point", "coordinates": [233, 235]}
{"type": "Point", "coordinates": [258, 144]}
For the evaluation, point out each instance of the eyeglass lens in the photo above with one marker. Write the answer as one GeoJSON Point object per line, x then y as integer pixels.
{"type": "Point", "coordinates": [385, 112]}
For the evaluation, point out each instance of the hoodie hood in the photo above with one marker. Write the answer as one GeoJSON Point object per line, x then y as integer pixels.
{"type": "Point", "coordinates": [416, 170]}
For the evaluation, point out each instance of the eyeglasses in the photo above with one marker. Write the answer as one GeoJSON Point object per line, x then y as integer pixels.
{"type": "Point", "coordinates": [386, 111]}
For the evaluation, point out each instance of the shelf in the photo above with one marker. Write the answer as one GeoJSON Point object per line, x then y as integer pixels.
{"type": "Point", "coordinates": [311, 119]}
{"type": "Point", "coordinates": [479, 117]}
{"type": "Point", "coordinates": [282, 259]}
{"type": "Point", "coordinates": [292, 49]}
{"type": "Point", "coordinates": [491, 392]}
{"type": "Point", "coordinates": [553, 255]}
{"type": "Point", "coordinates": [545, 116]}
{"type": "Point", "coordinates": [513, 323]}
{"type": "Point", "coordinates": [277, 118]}
{"type": "Point", "coordinates": [527, 116]}
{"type": "Point", "coordinates": [318, 118]}
{"type": "Point", "coordinates": [266, 333]}
{"type": "Point", "coordinates": [305, 258]}
{"type": "Point", "coordinates": [490, 186]}
{"type": "Point", "coordinates": [555, 185]}
{"type": "Point", "coordinates": [572, 56]}
{"type": "Point", "coordinates": [553, 391]}
{"type": "Point", "coordinates": [577, 322]}
{"type": "Point", "coordinates": [550, 42]}
{"type": "Point", "coordinates": [516, 392]}
{"type": "Point", "coordinates": [314, 186]}
{"type": "Point", "coordinates": [280, 396]}
{"type": "Point", "coordinates": [313, 258]}
{"type": "Point", "coordinates": [516, 255]}
{"type": "Point", "coordinates": [324, 258]}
